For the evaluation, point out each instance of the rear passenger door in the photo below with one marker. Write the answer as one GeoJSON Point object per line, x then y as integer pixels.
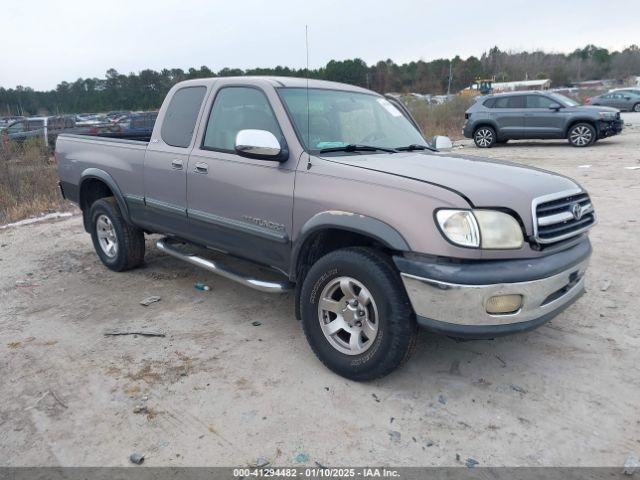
{"type": "Point", "coordinates": [541, 119]}
{"type": "Point", "coordinates": [508, 114]}
{"type": "Point", "coordinates": [236, 204]}
{"type": "Point", "coordinates": [164, 206]}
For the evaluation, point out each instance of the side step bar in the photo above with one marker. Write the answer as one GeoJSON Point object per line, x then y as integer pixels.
{"type": "Point", "coordinates": [165, 245]}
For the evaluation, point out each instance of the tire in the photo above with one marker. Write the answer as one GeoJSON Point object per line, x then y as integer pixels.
{"type": "Point", "coordinates": [484, 137]}
{"type": "Point", "coordinates": [636, 107]}
{"type": "Point", "coordinates": [581, 135]}
{"type": "Point", "coordinates": [387, 332]}
{"type": "Point", "coordinates": [109, 229]}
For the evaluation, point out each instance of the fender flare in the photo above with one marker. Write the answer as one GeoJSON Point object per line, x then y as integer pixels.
{"type": "Point", "coordinates": [98, 174]}
{"type": "Point", "coordinates": [351, 222]}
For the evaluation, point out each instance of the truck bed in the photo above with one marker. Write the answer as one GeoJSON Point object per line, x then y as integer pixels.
{"type": "Point", "coordinates": [79, 155]}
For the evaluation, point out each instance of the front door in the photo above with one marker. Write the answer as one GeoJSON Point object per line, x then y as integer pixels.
{"type": "Point", "coordinates": [240, 205]}
{"type": "Point", "coordinates": [164, 206]}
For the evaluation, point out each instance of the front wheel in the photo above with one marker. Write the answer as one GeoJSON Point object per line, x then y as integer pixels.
{"type": "Point", "coordinates": [581, 135]}
{"type": "Point", "coordinates": [484, 137]}
{"type": "Point", "coordinates": [356, 314]}
{"type": "Point", "coordinates": [119, 245]}
{"type": "Point", "coordinates": [636, 107]}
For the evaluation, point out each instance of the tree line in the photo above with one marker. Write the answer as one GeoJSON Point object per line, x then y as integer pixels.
{"type": "Point", "coordinates": [146, 89]}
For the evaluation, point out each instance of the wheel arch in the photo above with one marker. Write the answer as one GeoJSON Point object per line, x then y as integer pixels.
{"type": "Point", "coordinates": [96, 184]}
{"type": "Point", "coordinates": [485, 123]}
{"type": "Point", "coordinates": [329, 231]}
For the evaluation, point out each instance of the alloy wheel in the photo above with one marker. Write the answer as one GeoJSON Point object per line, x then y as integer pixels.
{"type": "Point", "coordinates": [581, 135]}
{"type": "Point", "coordinates": [107, 236]}
{"type": "Point", "coordinates": [484, 137]}
{"type": "Point", "coordinates": [348, 315]}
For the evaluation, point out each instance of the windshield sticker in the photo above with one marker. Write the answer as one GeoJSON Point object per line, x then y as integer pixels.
{"type": "Point", "coordinates": [389, 107]}
{"type": "Point", "coordinates": [322, 145]}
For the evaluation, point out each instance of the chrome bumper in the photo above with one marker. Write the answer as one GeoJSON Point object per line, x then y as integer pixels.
{"type": "Point", "coordinates": [465, 305]}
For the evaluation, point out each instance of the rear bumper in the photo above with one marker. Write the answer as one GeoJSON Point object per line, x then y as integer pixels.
{"type": "Point", "coordinates": [452, 298]}
{"type": "Point", "coordinates": [467, 129]}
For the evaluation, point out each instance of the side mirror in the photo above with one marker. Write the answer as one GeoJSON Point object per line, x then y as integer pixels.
{"type": "Point", "coordinates": [555, 106]}
{"type": "Point", "coordinates": [627, 97]}
{"type": "Point", "coordinates": [260, 144]}
{"type": "Point", "coordinates": [441, 142]}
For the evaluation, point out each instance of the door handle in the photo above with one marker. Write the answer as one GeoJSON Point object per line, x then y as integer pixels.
{"type": "Point", "coordinates": [201, 167]}
{"type": "Point", "coordinates": [176, 164]}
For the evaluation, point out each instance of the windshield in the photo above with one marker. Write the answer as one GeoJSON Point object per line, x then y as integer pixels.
{"type": "Point", "coordinates": [338, 118]}
{"type": "Point", "coordinates": [566, 101]}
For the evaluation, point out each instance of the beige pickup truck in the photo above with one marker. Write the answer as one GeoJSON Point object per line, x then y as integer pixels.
{"type": "Point", "coordinates": [334, 190]}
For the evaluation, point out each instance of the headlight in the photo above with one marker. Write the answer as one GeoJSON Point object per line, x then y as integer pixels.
{"type": "Point", "coordinates": [490, 229]}
{"type": "Point", "coordinates": [607, 115]}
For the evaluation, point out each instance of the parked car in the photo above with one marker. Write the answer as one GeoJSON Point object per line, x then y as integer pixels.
{"type": "Point", "coordinates": [538, 115]}
{"type": "Point", "coordinates": [623, 99]}
{"type": "Point", "coordinates": [379, 236]}
{"type": "Point", "coordinates": [137, 126]}
{"type": "Point", "coordinates": [635, 90]}
{"type": "Point", "coordinates": [5, 121]}
{"type": "Point", "coordinates": [46, 128]}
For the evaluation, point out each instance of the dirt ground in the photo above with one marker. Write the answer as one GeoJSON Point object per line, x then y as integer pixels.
{"type": "Point", "coordinates": [220, 391]}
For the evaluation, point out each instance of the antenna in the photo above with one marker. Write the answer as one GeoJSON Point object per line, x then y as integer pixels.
{"type": "Point", "coordinates": [306, 42]}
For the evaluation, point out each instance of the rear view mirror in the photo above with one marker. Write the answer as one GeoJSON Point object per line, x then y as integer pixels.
{"type": "Point", "coordinates": [441, 142]}
{"type": "Point", "coordinates": [260, 144]}
{"type": "Point", "coordinates": [555, 106]}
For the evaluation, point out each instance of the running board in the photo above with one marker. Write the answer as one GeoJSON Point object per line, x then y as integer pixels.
{"type": "Point", "coordinates": [164, 245]}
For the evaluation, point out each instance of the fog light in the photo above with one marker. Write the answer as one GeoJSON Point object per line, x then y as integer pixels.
{"type": "Point", "coordinates": [501, 304]}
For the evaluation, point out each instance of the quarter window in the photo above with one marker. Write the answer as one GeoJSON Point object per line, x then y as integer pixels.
{"type": "Point", "coordinates": [235, 109]}
{"type": "Point", "coordinates": [181, 116]}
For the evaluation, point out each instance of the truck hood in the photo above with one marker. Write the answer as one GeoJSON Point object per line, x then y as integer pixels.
{"type": "Point", "coordinates": [482, 182]}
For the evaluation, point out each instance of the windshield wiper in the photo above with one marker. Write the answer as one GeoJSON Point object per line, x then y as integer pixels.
{"type": "Point", "coordinates": [414, 146]}
{"type": "Point", "coordinates": [357, 148]}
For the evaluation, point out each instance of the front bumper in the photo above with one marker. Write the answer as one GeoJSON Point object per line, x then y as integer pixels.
{"type": "Point", "coordinates": [451, 298]}
{"type": "Point", "coordinates": [608, 128]}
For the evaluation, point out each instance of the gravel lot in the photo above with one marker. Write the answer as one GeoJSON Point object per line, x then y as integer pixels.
{"type": "Point", "coordinates": [221, 391]}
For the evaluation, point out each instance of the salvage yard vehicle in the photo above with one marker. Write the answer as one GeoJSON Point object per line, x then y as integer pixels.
{"type": "Point", "coordinates": [334, 190]}
{"type": "Point", "coordinates": [628, 100]}
{"type": "Point", "coordinates": [45, 128]}
{"type": "Point", "coordinates": [538, 115]}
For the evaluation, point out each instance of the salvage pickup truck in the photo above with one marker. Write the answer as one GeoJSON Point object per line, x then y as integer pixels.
{"type": "Point", "coordinates": [334, 190]}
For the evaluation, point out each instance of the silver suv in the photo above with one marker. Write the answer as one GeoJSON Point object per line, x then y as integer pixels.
{"type": "Point", "coordinates": [538, 115]}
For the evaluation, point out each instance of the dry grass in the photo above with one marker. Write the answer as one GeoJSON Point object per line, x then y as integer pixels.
{"type": "Point", "coordinates": [444, 119]}
{"type": "Point", "coordinates": [28, 181]}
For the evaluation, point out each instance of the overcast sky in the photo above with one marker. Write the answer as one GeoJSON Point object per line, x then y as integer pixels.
{"type": "Point", "coordinates": [48, 41]}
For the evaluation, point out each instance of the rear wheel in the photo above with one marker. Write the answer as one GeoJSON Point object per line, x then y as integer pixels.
{"type": "Point", "coordinates": [119, 245]}
{"type": "Point", "coordinates": [581, 135]}
{"type": "Point", "coordinates": [356, 315]}
{"type": "Point", "coordinates": [484, 137]}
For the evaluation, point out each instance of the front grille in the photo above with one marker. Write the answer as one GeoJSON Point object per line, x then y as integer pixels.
{"type": "Point", "coordinates": [561, 216]}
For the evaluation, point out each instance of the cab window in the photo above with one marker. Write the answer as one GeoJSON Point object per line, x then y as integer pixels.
{"type": "Point", "coordinates": [235, 109]}
{"type": "Point", "coordinates": [181, 116]}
